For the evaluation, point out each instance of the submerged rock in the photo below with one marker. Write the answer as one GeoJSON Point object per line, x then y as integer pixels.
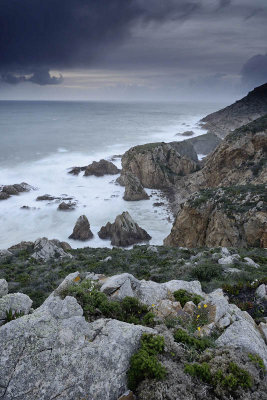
{"type": "Point", "coordinates": [124, 231]}
{"type": "Point", "coordinates": [81, 230]}
{"type": "Point", "coordinates": [101, 168]}
{"type": "Point", "coordinates": [14, 190]}
{"type": "Point", "coordinates": [66, 206]}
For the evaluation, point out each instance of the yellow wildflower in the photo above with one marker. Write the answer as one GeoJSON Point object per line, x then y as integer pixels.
{"type": "Point", "coordinates": [205, 306]}
{"type": "Point", "coordinates": [199, 306]}
{"type": "Point", "coordinates": [198, 316]}
{"type": "Point", "coordinates": [198, 328]}
{"type": "Point", "coordinates": [153, 305]}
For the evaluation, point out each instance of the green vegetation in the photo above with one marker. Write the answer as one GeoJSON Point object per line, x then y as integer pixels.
{"type": "Point", "coordinates": [183, 297]}
{"type": "Point", "coordinates": [96, 304]}
{"type": "Point", "coordinates": [144, 364]}
{"type": "Point", "coordinates": [200, 344]}
{"type": "Point", "coordinates": [258, 361]}
{"type": "Point", "coordinates": [206, 271]}
{"type": "Point", "coordinates": [230, 380]}
{"type": "Point", "coordinates": [11, 315]}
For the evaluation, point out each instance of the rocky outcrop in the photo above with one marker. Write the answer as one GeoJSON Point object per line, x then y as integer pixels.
{"type": "Point", "coordinates": [134, 191]}
{"type": "Point", "coordinates": [124, 231]}
{"type": "Point", "coordinates": [101, 168]}
{"type": "Point", "coordinates": [13, 190]}
{"type": "Point", "coordinates": [14, 303]}
{"type": "Point", "coordinates": [66, 206]}
{"type": "Point", "coordinates": [160, 165]}
{"type": "Point", "coordinates": [45, 249]}
{"type": "Point", "coordinates": [48, 197]}
{"type": "Point", "coordinates": [232, 217]}
{"type": "Point", "coordinates": [81, 230]}
{"type": "Point", "coordinates": [77, 170]}
{"type": "Point", "coordinates": [243, 111]}
{"type": "Point", "coordinates": [55, 353]}
{"type": "Point", "coordinates": [205, 144]}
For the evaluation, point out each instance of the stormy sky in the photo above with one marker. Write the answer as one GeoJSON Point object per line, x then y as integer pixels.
{"type": "Point", "coordinates": [132, 49]}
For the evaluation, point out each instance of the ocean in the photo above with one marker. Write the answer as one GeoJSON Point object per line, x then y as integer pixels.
{"type": "Point", "coordinates": [41, 140]}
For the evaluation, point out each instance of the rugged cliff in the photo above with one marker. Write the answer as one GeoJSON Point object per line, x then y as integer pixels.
{"type": "Point", "coordinates": [243, 111]}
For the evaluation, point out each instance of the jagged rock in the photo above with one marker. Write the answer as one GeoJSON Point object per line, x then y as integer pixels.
{"type": "Point", "coordinates": [13, 190]}
{"type": "Point", "coordinates": [66, 206]}
{"type": "Point", "coordinates": [167, 309]}
{"type": "Point", "coordinates": [4, 196]}
{"type": "Point", "coordinates": [124, 231]}
{"type": "Point", "coordinates": [261, 292]}
{"type": "Point", "coordinates": [76, 170]}
{"type": "Point", "coordinates": [134, 191]}
{"type": "Point", "coordinates": [221, 217]}
{"type": "Point", "coordinates": [242, 334]}
{"type": "Point", "coordinates": [148, 292]}
{"type": "Point", "coordinates": [45, 249]}
{"type": "Point", "coordinates": [3, 287]}
{"type": "Point", "coordinates": [5, 255]}
{"type": "Point", "coordinates": [217, 304]}
{"type": "Point", "coordinates": [243, 111]}
{"type": "Point", "coordinates": [228, 260]}
{"type": "Point", "coordinates": [81, 230]}
{"type": "Point", "coordinates": [189, 307]}
{"type": "Point", "coordinates": [47, 197]}
{"type": "Point", "coordinates": [205, 144]}
{"type": "Point", "coordinates": [17, 248]}
{"type": "Point", "coordinates": [55, 353]}
{"type": "Point", "coordinates": [101, 168]}
{"type": "Point", "coordinates": [16, 302]}
{"type": "Point", "coordinates": [68, 281]}
{"type": "Point", "coordinates": [159, 165]}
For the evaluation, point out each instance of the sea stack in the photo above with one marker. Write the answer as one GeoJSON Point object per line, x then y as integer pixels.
{"type": "Point", "coordinates": [81, 230]}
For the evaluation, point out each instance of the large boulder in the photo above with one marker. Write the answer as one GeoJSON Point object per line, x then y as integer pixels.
{"type": "Point", "coordinates": [148, 292]}
{"type": "Point", "coordinates": [45, 250]}
{"type": "Point", "coordinates": [160, 165]}
{"type": "Point", "coordinates": [66, 206]}
{"type": "Point", "coordinates": [13, 190]}
{"type": "Point", "coordinates": [55, 353]}
{"type": "Point", "coordinates": [134, 191]}
{"type": "Point", "coordinates": [16, 303]}
{"type": "Point", "coordinates": [81, 230]}
{"type": "Point", "coordinates": [124, 231]}
{"type": "Point", "coordinates": [101, 168]}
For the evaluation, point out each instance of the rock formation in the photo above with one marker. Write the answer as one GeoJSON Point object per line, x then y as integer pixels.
{"type": "Point", "coordinates": [44, 249]}
{"type": "Point", "coordinates": [13, 190]}
{"type": "Point", "coordinates": [159, 165]}
{"type": "Point", "coordinates": [233, 217]}
{"type": "Point", "coordinates": [243, 111]}
{"type": "Point", "coordinates": [81, 230]}
{"type": "Point", "coordinates": [134, 191]}
{"type": "Point", "coordinates": [66, 206]}
{"type": "Point", "coordinates": [124, 231]}
{"type": "Point", "coordinates": [101, 168]}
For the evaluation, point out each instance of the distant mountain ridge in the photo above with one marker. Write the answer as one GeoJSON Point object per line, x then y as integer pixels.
{"type": "Point", "coordinates": [243, 111]}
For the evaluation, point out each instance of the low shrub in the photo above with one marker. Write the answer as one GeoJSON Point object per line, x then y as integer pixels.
{"type": "Point", "coordinates": [144, 364]}
{"type": "Point", "coordinates": [183, 297]}
{"type": "Point", "coordinates": [199, 344]}
{"type": "Point", "coordinates": [258, 361]}
{"type": "Point", "coordinates": [206, 271]}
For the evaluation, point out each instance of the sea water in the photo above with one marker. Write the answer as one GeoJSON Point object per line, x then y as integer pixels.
{"type": "Point", "coordinates": [40, 141]}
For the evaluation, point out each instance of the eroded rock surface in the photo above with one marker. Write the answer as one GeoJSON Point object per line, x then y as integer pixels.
{"type": "Point", "coordinates": [81, 230]}
{"type": "Point", "coordinates": [101, 168]}
{"type": "Point", "coordinates": [45, 249]}
{"type": "Point", "coordinates": [124, 231]}
{"type": "Point", "coordinates": [134, 191]}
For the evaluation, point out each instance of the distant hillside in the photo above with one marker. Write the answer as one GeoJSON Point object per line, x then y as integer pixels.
{"type": "Point", "coordinates": [243, 111]}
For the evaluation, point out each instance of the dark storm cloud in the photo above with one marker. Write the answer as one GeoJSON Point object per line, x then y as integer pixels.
{"type": "Point", "coordinates": [254, 72]}
{"type": "Point", "coordinates": [57, 33]}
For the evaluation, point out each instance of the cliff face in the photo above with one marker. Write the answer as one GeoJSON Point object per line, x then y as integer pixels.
{"type": "Point", "coordinates": [159, 165]}
{"type": "Point", "coordinates": [243, 111]}
{"type": "Point", "coordinates": [231, 216]}
{"type": "Point", "coordinates": [219, 215]}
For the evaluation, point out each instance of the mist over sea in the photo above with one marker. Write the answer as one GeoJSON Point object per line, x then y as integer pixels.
{"type": "Point", "coordinates": [39, 141]}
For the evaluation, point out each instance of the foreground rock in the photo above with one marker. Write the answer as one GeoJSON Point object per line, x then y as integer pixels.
{"type": "Point", "coordinates": [159, 165]}
{"type": "Point", "coordinates": [231, 217]}
{"type": "Point", "coordinates": [243, 111]}
{"type": "Point", "coordinates": [81, 230]}
{"type": "Point", "coordinates": [13, 190]}
{"type": "Point", "coordinates": [101, 168]}
{"type": "Point", "coordinates": [55, 353]}
{"type": "Point", "coordinates": [14, 303]}
{"type": "Point", "coordinates": [134, 191]}
{"type": "Point", "coordinates": [44, 249]}
{"type": "Point", "coordinates": [124, 231]}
